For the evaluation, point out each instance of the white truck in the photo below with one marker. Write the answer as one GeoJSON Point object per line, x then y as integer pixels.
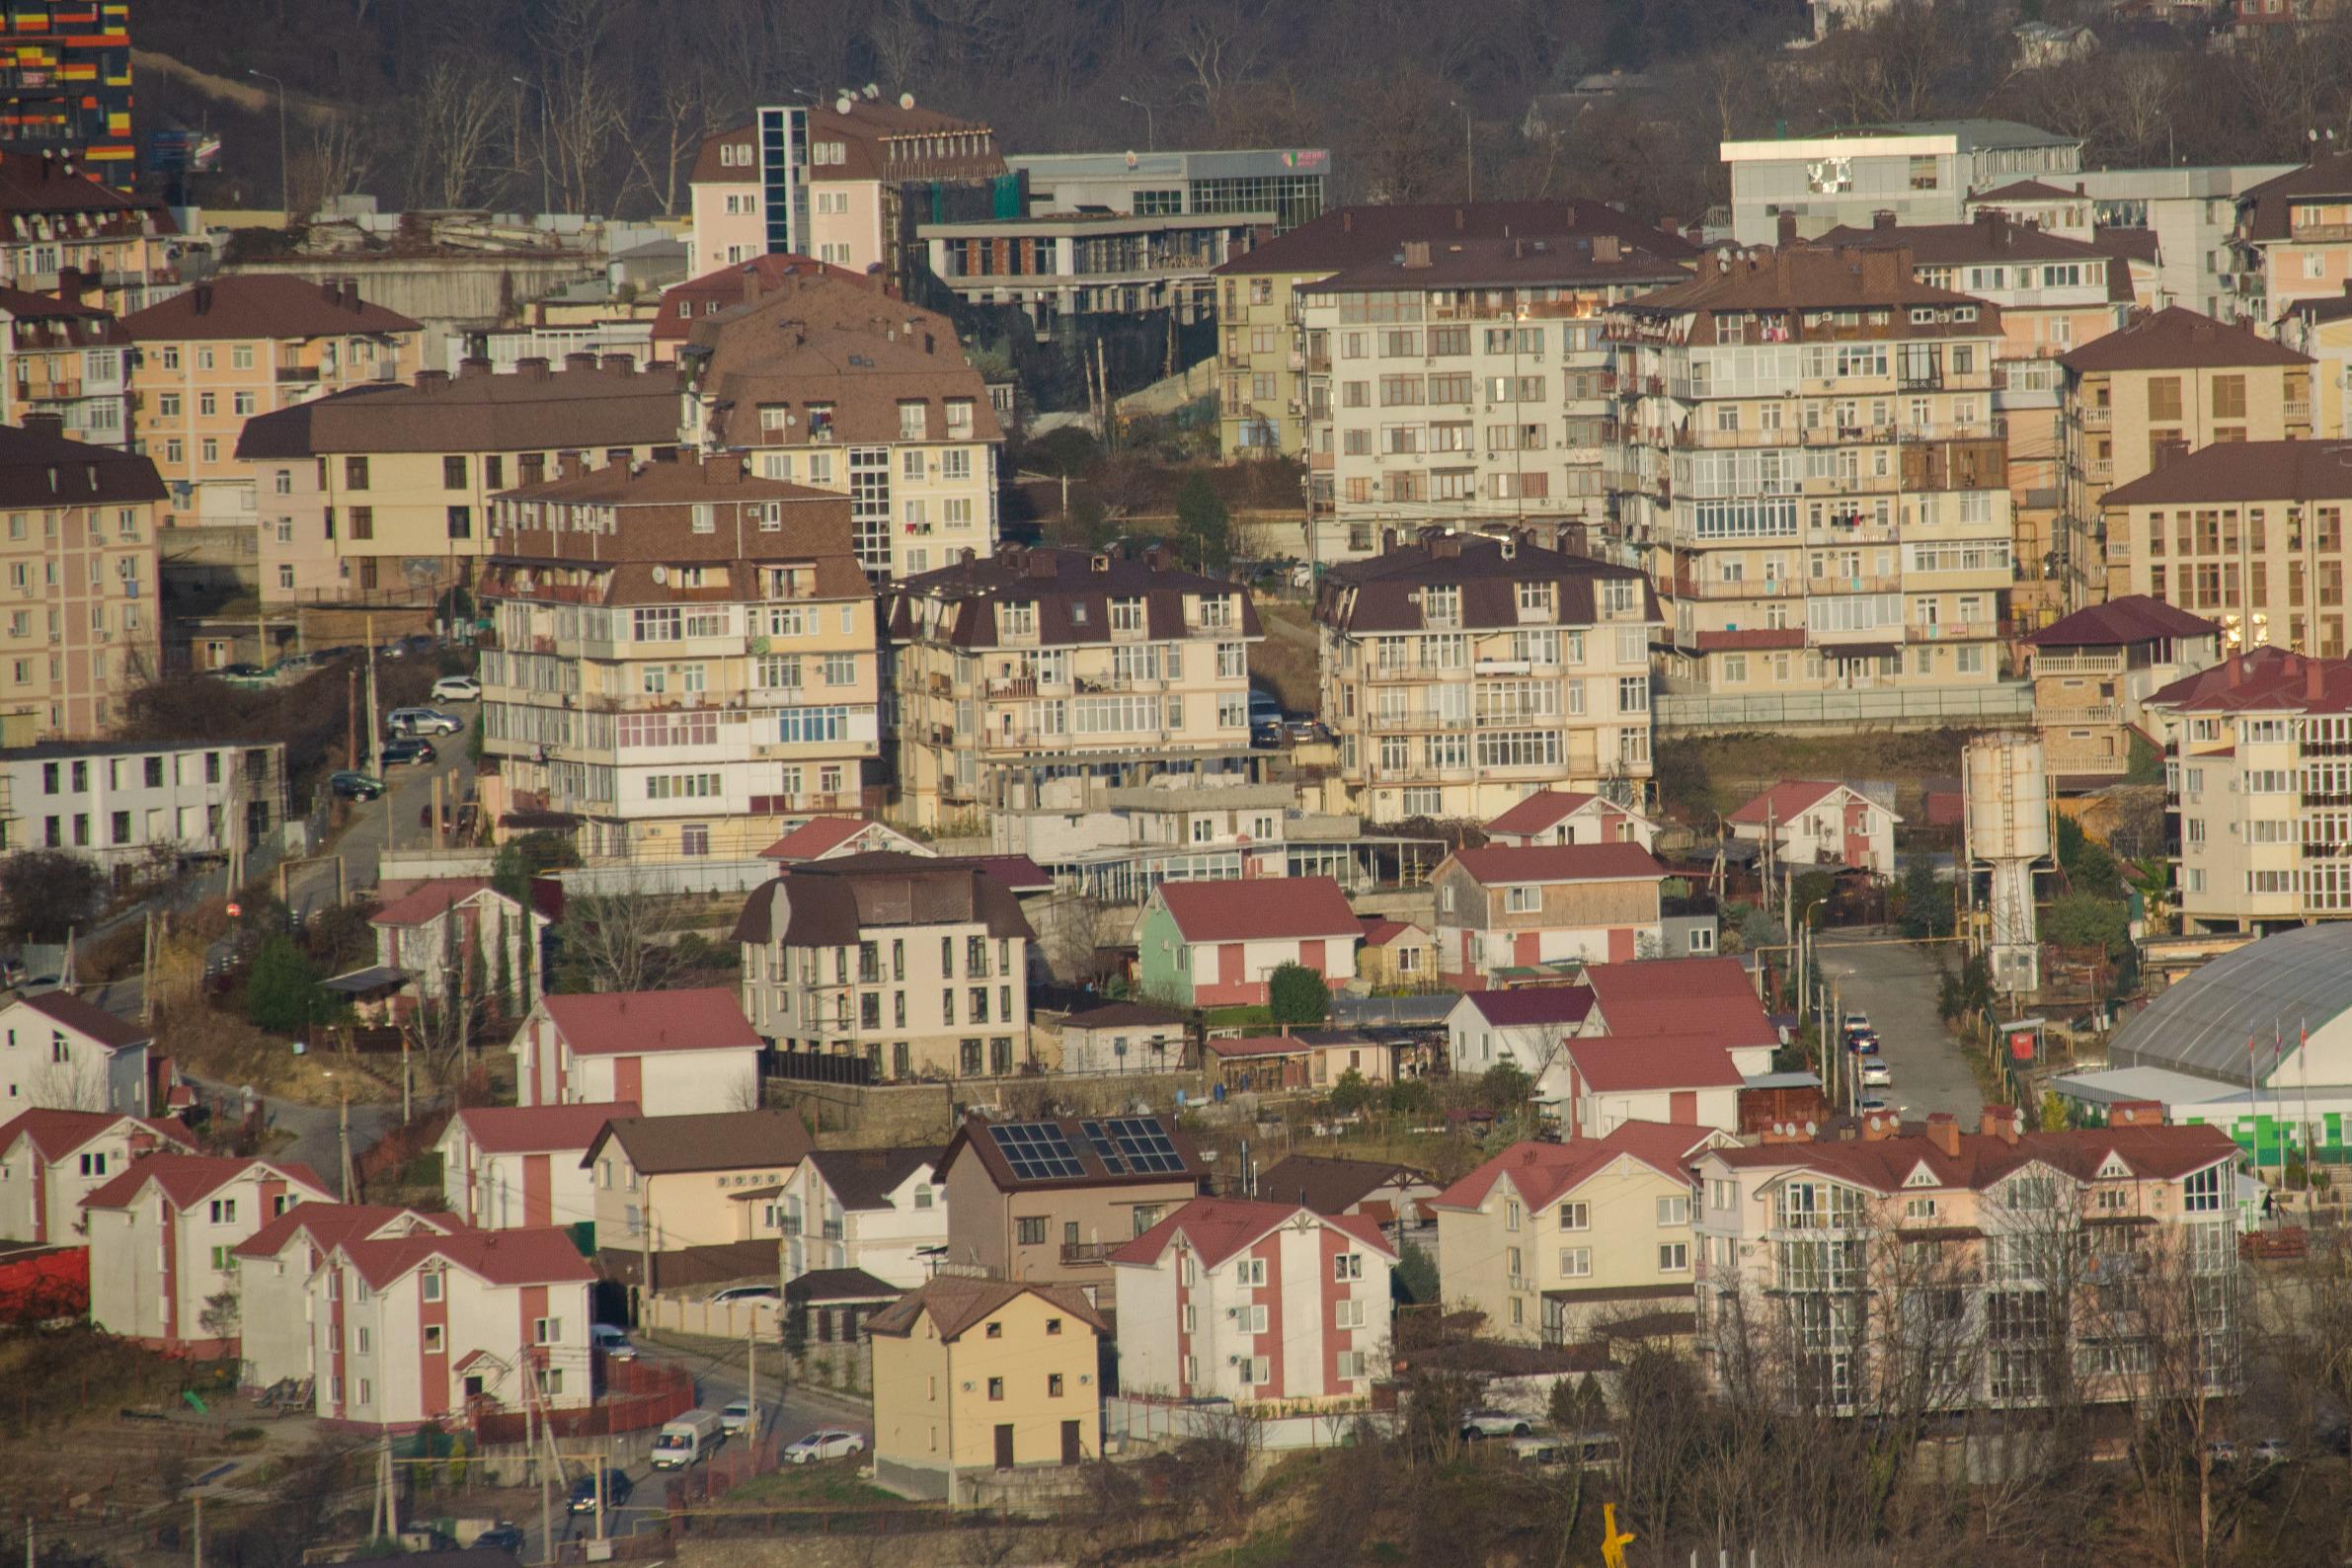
{"type": "Point", "coordinates": [687, 1440]}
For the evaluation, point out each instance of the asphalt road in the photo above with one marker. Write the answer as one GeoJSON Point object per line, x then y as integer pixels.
{"type": "Point", "coordinates": [1896, 982]}
{"type": "Point", "coordinates": [311, 885]}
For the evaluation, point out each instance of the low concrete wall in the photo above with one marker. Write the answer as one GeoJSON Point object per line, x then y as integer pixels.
{"type": "Point", "coordinates": [1134, 1419]}
{"type": "Point", "coordinates": [894, 1114]}
{"type": "Point", "coordinates": [714, 1319]}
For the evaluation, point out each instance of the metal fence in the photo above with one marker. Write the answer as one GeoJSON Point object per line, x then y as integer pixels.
{"type": "Point", "coordinates": [668, 876]}
{"type": "Point", "coordinates": [1922, 708]}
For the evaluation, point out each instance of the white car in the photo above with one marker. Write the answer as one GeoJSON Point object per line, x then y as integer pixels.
{"type": "Point", "coordinates": [735, 1416]}
{"type": "Point", "coordinates": [829, 1444]}
{"type": "Point", "coordinates": [613, 1342]}
{"type": "Point", "coordinates": [458, 688]}
{"type": "Point", "coordinates": [746, 1293]}
{"type": "Point", "coordinates": [1876, 1074]}
{"type": "Point", "coordinates": [1494, 1424]}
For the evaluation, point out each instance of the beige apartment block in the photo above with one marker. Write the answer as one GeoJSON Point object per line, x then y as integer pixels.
{"type": "Point", "coordinates": [383, 495]}
{"type": "Point", "coordinates": [1037, 654]}
{"type": "Point", "coordinates": [237, 347]}
{"type": "Point", "coordinates": [2321, 327]}
{"type": "Point", "coordinates": [1460, 672]}
{"type": "Point", "coordinates": [66, 232]}
{"type": "Point", "coordinates": [80, 627]}
{"type": "Point", "coordinates": [1814, 466]}
{"type": "Point", "coordinates": [830, 384]}
{"type": "Point", "coordinates": [2293, 240]}
{"type": "Point", "coordinates": [2140, 398]}
{"type": "Point", "coordinates": [60, 357]}
{"type": "Point", "coordinates": [686, 662]}
{"type": "Point", "coordinates": [2093, 669]}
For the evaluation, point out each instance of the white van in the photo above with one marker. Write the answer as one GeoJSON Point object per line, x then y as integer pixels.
{"type": "Point", "coordinates": [687, 1440]}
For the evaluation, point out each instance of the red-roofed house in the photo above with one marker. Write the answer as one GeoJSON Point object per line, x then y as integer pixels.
{"type": "Point", "coordinates": [275, 1265]}
{"type": "Point", "coordinates": [1550, 1240]}
{"type": "Point", "coordinates": [423, 1328]}
{"type": "Point", "coordinates": [1570, 817]}
{"type": "Point", "coordinates": [1684, 1080]}
{"type": "Point", "coordinates": [1816, 822]}
{"type": "Point", "coordinates": [1395, 955]}
{"type": "Point", "coordinates": [825, 838]}
{"type": "Point", "coordinates": [670, 1053]}
{"type": "Point", "coordinates": [1525, 1027]}
{"type": "Point", "coordinates": [50, 1160]}
{"type": "Point", "coordinates": [161, 1238]}
{"type": "Point", "coordinates": [683, 304]}
{"type": "Point", "coordinates": [1216, 944]}
{"type": "Point", "coordinates": [58, 1053]}
{"type": "Point", "coordinates": [1500, 908]}
{"type": "Point", "coordinates": [1709, 998]}
{"type": "Point", "coordinates": [1256, 1302]}
{"type": "Point", "coordinates": [435, 926]}
{"type": "Point", "coordinates": [510, 1165]}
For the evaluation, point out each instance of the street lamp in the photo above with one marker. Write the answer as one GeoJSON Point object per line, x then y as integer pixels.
{"type": "Point", "coordinates": [542, 92]}
{"type": "Point", "coordinates": [283, 185]}
{"type": "Point", "coordinates": [1150, 135]}
{"type": "Point", "coordinates": [1469, 164]}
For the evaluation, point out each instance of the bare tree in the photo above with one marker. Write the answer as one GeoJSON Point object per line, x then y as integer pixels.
{"type": "Point", "coordinates": [610, 940]}
{"type": "Point", "coordinates": [456, 114]}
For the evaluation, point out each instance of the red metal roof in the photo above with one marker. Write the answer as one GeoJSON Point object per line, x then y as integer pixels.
{"type": "Point", "coordinates": [68, 1011]}
{"type": "Point", "coordinates": [816, 836]}
{"type": "Point", "coordinates": [1379, 932]}
{"type": "Point", "coordinates": [706, 1019]}
{"type": "Point", "coordinates": [1259, 908]}
{"type": "Point", "coordinates": [1784, 800]}
{"type": "Point", "coordinates": [1541, 809]}
{"type": "Point", "coordinates": [538, 1255]}
{"type": "Point", "coordinates": [191, 1178]}
{"type": "Point", "coordinates": [1535, 1005]}
{"type": "Point", "coordinates": [1701, 997]}
{"type": "Point", "coordinates": [1222, 1227]}
{"type": "Point", "coordinates": [1543, 1172]}
{"type": "Point", "coordinates": [433, 898]}
{"type": "Point", "coordinates": [1984, 1159]}
{"type": "Point", "coordinates": [2132, 618]}
{"type": "Point", "coordinates": [539, 1128]}
{"type": "Point", "coordinates": [1499, 864]}
{"type": "Point", "coordinates": [329, 1225]}
{"type": "Point", "coordinates": [1617, 1064]}
{"type": "Point", "coordinates": [58, 1133]}
{"type": "Point", "coordinates": [2266, 680]}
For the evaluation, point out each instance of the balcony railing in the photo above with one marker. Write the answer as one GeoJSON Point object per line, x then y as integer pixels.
{"type": "Point", "coordinates": [2054, 662]}
{"type": "Point", "coordinates": [2099, 470]}
{"type": "Point", "coordinates": [1088, 1252]}
{"type": "Point", "coordinates": [2298, 413]}
{"type": "Point", "coordinates": [2093, 417]}
{"type": "Point", "coordinates": [1952, 632]}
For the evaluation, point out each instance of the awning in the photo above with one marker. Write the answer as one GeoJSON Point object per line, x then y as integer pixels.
{"type": "Point", "coordinates": [1853, 653]}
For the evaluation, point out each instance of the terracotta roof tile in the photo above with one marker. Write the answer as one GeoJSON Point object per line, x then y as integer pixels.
{"type": "Point", "coordinates": [2178, 338]}
{"type": "Point", "coordinates": [58, 1133]}
{"type": "Point", "coordinates": [1541, 809]}
{"type": "Point", "coordinates": [2266, 680]}
{"type": "Point", "coordinates": [1259, 908]}
{"type": "Point", "coordinates": [1498, 865]}
{"type": "Point", "coordinates": [2119, 622]}
{"type": "Point", "coordinates": [1222, 1227]}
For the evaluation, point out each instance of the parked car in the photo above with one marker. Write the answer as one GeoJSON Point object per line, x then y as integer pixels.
{"type": "Point", "coordinates": [1856, 1024]}
{"type": "Point", "coordinates": [238, 671]}
{"type": "Point", "coordinates": [352, 786]}
{"type": "Point", "coordinates": [1876, 1074]}
{"type": "Point", "coordinates": [415, 753]}
{"type": "Point", "coordinates": [1494, 1424]}
{"type": "Point", "coordinates": [611, 1341]}
{"type": "Point", "coordinates": [746, 1293]}
{"type": "Point", "coordinates": [1266, 735]}
{"type": "Point", "coordinates": [1265, 708]}
{"type": "Point", "coordinates": [424, 720]}
{"type": "Point", "coordinates": [734, 1416]}
{"type": "Point", "coordinates": [2272, 1450]}
{"type": "Point", "coordinates": [1864, 1044]}
{"type": "Point", "coordinates": [616, 1491]}
{"type": "Point", "coordinates": [458, 688]}
{"type": "Point", "coordinates": [1305, 728]}
{"type": "Point", "coordinates": [689, 1440]}
{"type": "Point", "coordinates": [1873, 1102]}
{"type": "Point", "coordinates": [828, 1444]}
{"type": "Point", "coordinates": [503, 1537]}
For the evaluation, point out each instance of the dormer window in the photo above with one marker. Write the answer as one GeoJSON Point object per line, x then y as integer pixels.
{"type": "Point", "coordinates": [914, 420]}
{"type": "Point", "coordinates": [821, 422]}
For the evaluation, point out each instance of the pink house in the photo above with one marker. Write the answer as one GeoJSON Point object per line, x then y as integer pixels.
{"type": "Point", "coordinates": [1216, 944]}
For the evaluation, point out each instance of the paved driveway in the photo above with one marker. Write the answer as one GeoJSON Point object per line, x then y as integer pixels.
{"type": "Point", "coordinates": [1896, 983]}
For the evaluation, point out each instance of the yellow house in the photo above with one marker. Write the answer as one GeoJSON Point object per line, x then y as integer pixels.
{"type": "Point", "coordinates": [1554, 1240]}
{"type": "Point", "coordinates": [224, 352]}
{"type": "Point", "coordinates": [976, 1378]}
{"type": "Point", "coordinates": [666, 1182]}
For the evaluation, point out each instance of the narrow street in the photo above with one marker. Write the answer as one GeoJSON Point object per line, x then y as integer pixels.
{"type": "Point", "coordinates": [1896, 982]}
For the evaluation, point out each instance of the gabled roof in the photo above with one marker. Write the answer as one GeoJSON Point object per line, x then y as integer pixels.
{"type": "Point", "coordinates": [834, 903]}
{"type": "Point", "coordinates": [709, 1140]}
{"type": "Point", "coordinates": [2027, 191]}
{"type": "Point", "coordinates": [58, 1133]}
{"type": "Point", "coordinates": [1259, 909]}
{"type": "Point", "coordinates": [1498, 865]}
{"type": "Point", "coordinates": [1218, 1229]}
{"type": "Point", "coordinates": [1787, 799]}
{"type": "Point", "coordinates": [2241, 471]}
{"type": "Point", "coordinates": [738, 283]}
{"type": "Point", "coordinates": [1334, 1186]}
{"type": "Point", "coordinates": [1541, 809]}
{"type": "Point", "coordinates": [957, 1303]}
{"type": "Point", "coordinates": [2177, 339]}
{"type": "Point", "coordinates": [1617, 1065]}
{"type": "Point", "coordinates": [977, 1137]}
{"type": "Point", "coordinates": [863, 1179]}
{"type": "Point", "coordinates": [68, 1011]}
{"type": "Point", "coordinates": [1983, 1161]}
{"type": "Point", "coordinates": [2119, 622]}
{"type": "Point", "coordinates": [1541, 1173]}
{"type": "Point", "coordinates": [39, 469]}
{"type": "Point", "coordinates": [1386, 592]}
{"type": "Point", "coordinates": [1536, 1005]}
{"type": "Point", "coordinates": [633, 1022]}
{"type": "Point", "coordinates": [2266, 210]}
{"type": "Point", "coordinates": [824, 836]}
{"type": "Point", "coordinates": [1379, 930]}
{"type": "Point", "coordinates": [536, 1255]}
{"type": "Point", "coordinates": [191, 1178]}
{"type": "Point", "coordinates": [839, 1285]}
{"type": "Point", "coordinates": [433, 898]}
{"type": "Point", "coordinates": [1668, 998]}
{"type": "Point", "coordinates": [537, 1129]}
{"type": "Point", "coordinates": [329, 1225]}
{"type": "Point", "coordinates": [2268, 679]}
{"type": "Point", "coordinates": [262, 305]}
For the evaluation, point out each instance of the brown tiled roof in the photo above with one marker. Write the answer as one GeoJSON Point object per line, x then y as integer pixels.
{"type": "Point", "coordinates": [77, 323]}
{"type": "Point", "coordinates": [1454, 263]}
{"type": "Point", "coordinates": [1884, 1164]}
{"type": "Point", "coordinates": [2265, 211]}
{"type": "Point", "coordinates": [1122, 1015]}
{"type": "Point", "coordinates": [973, 1136]}
{"type": "Point", "coordinates": [1347, 237]}
{"type": "Point", "coordinates": [2266, 680]}
{"type": "Point", "coordinates": [745, 170]}
{"type": "Point", "coordinates": [544, 411]}
{"type": "Point", "coordinates": [1382, 594]}
{"type": "Point", "coordinates": [957, 1303]}
{"type": "Point", "coordinates": [733, 286]}
{"type": "Point", "coordinates": [1499, 864]}
{"type": "Point", "coordinates": [864, 1178]}
{"type": "Point", "coordinates": [69, 1011]}
{"type": "Point", "coordinates": [263, 305]}
{"type": "Point", "coordinates": [1808, 277]}
{"type": "Point", "coordinates": [2245, 471]}
{"type": "Point", "coordinates": [2175, 339]}
{"type": "Point", "coordinates": [32, 182]}
{"type": "Point", "coordinates": [818, 341]}
{"type": "Point", "coordinates": [1992, 237]}
{"type": "Point", "coordinates": [1071, 589]}
{"type": "Point", "coordinates": [1334, 1186]}
{"type": "Point", "coordinates": [2132, 618]}
{"type": "Point", "coordinates": [840, 1285]}
{"type": "Point", "coordinates": [833, 902]}
{"type": "Point", "coordinates": [709, 1140]}
{"type": "Point", "coordinates": [39, 470]}
{"type": "Point", "coordinates": [2129, 244]}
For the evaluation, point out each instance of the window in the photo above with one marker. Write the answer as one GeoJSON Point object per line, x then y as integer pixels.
{"type": "Point", "coordinates": [2201, 1193]}
{"type": "Point", "coordinates": [547, 1331]}
{"type": "Point", "coordinates": [1674, 1257]}
{"type": "Point", "coordinates": [1576, 1262]}
{"type": "Point", "coordinates": [1030, 1231]}
{"type": "Point", "coordinates": [1250, 1270]}
{"type": "Point", "coordinates": [434, 1340]}
{"type": "Point", "coordinates": [1576, 1217]}
{"type": "Point", "coordinates": [995, 1384]}
{"type": "Point", "coordinates": [1674, 1210]}
{"type": "Point", "coordinates": [1347, 1265]}
{"type": "Point", "coordinates": [355, 473]}
{"type": "Point", "coordinates": [224, 1211]}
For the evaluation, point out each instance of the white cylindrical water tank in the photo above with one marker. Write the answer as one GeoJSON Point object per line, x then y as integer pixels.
{"type": "Point", "coordinates": [2007, 786]}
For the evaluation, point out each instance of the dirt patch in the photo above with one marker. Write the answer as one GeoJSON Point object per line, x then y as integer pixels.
{"type": "Point", "coordinates": [1701, 775]}
{"type": "Point", "coordinates": [1287, 661]}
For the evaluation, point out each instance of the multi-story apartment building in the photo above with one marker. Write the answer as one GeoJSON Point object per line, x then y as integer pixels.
{"type": "Point", "coordinates": [274, 1266]}
{"type": "Point", "coordinates": [120, 802]}
{"type": "Point", "coordinates": [2007, 1262]}
{"type": "Point", "coordinates": [1264, 354]}
{"type": "Point", "coordinates": [1460, 671]}
{"type": "Point", "coordinates": [2322, 325]}
{"type": "Point", "coordinates": [162, 1241]}
{"type": "Point", "coordinates": [728, 288]}
{"type": "Point", "coordinates": [2189, 214]}
{"type": "Point", "coordinates": [61, 228]}
{"type": "Point", "coordinates": [2293, 240]}
{"type": "Point", "coordinates": [2142, 397]}
{"type": "Point", "coordinates": [843, 182]}
{"type": "Point", "coordinates": [1059, 267]}
{"type": "Point", "coordinates": [504, 1167]}
{"type": "Point", "coordinates": [2093, 671]}
{"type": "Point", "coordinates": [384, 493]}
{"type": "Point", "coordinates": [831, 384]}
{"type": "Point", "coordinates": [241, 345]}
{"type": "Point", "coordinates": [50, 1160]}
{"type": "Point", "coordinates": [1812, 463]}
{"type": "Point", "coordinates": [915, 965]}
{"type": "Point", "coordinates": [66, 83]}
{"type": "Point", "coordinates": [61, 357]}
{"type": "Point", "coordinates": [1921, 171]}
{"type": "Point", "coordinates": [1042, 653]}
{"type": "Point", "coordinates": [686, 658]}
{"type": "Point", "coordinates": [1464, 378]}
{"type": "Point", "coordinates": [79, 623]}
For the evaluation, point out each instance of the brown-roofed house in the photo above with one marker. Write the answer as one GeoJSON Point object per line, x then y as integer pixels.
{"type": "Point", "coordinates": [62, 1054]}
{"type": "Point", "coordinates": [2093, 670]}
{"type": "Point", "coordinates": [1385, 1193]}
{"type": "Point", "coordinates": [882, 1211]}
{"type": "Point", "coordinates": [666, 1182]}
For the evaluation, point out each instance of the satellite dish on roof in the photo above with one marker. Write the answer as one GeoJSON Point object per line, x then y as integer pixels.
{"type": "Point", "coordinates": [872, 91]}
{"type": "Point", "coordinates": [906, 99]}
{"type": "Point", "coordinates": [1132, 160]}
{"type": "Point", "coordinates": [842, 104]}
{"type": "Point", "coordinates": [661, 575]}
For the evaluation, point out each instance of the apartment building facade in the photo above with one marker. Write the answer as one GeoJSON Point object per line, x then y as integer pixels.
{"type": "Point", "coordinates": [1923, 172]}
{"type": "Point", "coordinates": [163, 1237]}
{"type": "Point", "coordinates": [832, 385]}
{"type": "Point", "coordinates": [1044, 653]}
{"type": "Point", "coordinates": [2292, 240]}
{"type": "Point", "coordinates": [274, 1268]}
{"type": "Point", "coordinates": [918, 965]}
{"type": "Point", "coordinates": [384, 493]}
{"type": "Point", "coordinates": [119, 803]}
{"type": "Point", "coordinates": [1814, 466]}
{"type": "Point", "coordinates": [60, 357]}
{"type": "Point", "coordinates": [2093, 669]}
{"type": "Point", "coordinates": [2142, 397]}
{"type": "Point", "coordinates": [82, 625]}
{"type": "Point", "coordinates": [506, 1166]}
{"type": "Point", "coordinates": [62, 227]}
{"type": "Point", "coordinates": [242, 346]}
{"type": "Point", "coordinates": [1464, 378]}
{"type": "Point", "coordinates": [1460, 671]}
{"type": "Point", "coordinates": [668, 1182]}
{"type": "Point", "coordinates": [686, 659]}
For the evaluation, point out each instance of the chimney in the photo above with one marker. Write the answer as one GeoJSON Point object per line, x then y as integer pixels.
{"type": "Point", "coordinates": [1157, 559]}
{"type": "Point", "coordinates": [1878, 1126]}
{"type": "Point", "coordinates": [2135, 1113]}
{"type": "Point", "coordinates": [580, 362]}
{"type": "Point", "coordinates": [45, 424]}
{"type": "Point", "coordinates": [472, 365]}
{"type": "Point", "coordinates": [617, 364]}
{"type": "Point", "coordinates": [1884, 271]}
{"type": "Point", "coordinates": [1882, 221]}
{"type": "Point", "coordinates": [1387, 540]}
{"type": "Point", "coordinates": [531, 366]}
{"type": "Point", "coordinates": [2315, 681]}
{"type": "Point", "coordinates": [1039, 564]}
{"type": "Point", "coordinates": [332, 289]}
{"type": "Point", "coordinates": [1998, 1121]}
{"type": "Point", "coordinates": [1989, 225]}
{"type": "Point", "coordinates": [1943, 1130]}
{"type": "Point", "coordinates": [751, 284]}
{"type": "Point", "coordinates": [723, 470]}
{"type": "Point", "coordinates": [2233, 669]}
{"type": "Point", "coordinates": [1787, 228]}
{"type": "Point", "coordinates": [1346, 224]}
{"type": "Point", "coordinates": [432, 381]}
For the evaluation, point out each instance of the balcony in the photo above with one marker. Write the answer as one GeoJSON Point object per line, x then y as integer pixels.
{"type": "Point", "coordinates": [2298, 413]}
{"type": "Point", "coordinates": [1952, 632]}
{"type": "Point", "coordinates": [2093, 415]}
{"type": "Point", "coordinates": [2099, 470]}
{"type": "Point", "coordinates": [2077, 662]}
{"type": "Point", "coordinates": [300, 373]}
{"type": "Point", "coordinates": [1088, 1252]}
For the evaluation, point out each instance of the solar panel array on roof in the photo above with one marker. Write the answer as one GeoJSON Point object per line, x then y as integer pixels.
{"type": "Point", "coordinates": [1036, 1151]}
{"type": "Point", "coordinates": [1144, 1143]}
{"type": "Point", "coordinates": [1104, 1149]}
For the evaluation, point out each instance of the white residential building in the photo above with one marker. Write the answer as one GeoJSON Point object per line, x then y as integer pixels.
{"type": "Point", "coordinates": [58, 1053]}
{"type": "Point", "coordinates": [274, 1267]}
{"type": "Point", "coordinates": [880, 1210]}
{"type": "Point", "coordinates": [669, 1053]}
{"type": "Point", "coordinates": [50, 1160]}
{"type": "Point", "coordinates": [1814, 823]}
{"type": "Point", "coordinates": [504, 1167]}
{"type": "Point", "coordinates": [119, 803]}
{"type": "Point", "coordinates": [163, 1237]}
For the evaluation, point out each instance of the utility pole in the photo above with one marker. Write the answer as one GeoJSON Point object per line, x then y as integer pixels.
{"type": "Point", "coordinates": [350, 748]}
{"type": "Point", "coordinates": [197, 1535]}
{"type": "Point", "coordinates": [146, 1016]}
{"type": "Point", "coordinates": [752, 1363]}
{"type": "Point", "coordinates": [375, 716]}
{"type": "Point", "coordinates": [350, 1187]}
